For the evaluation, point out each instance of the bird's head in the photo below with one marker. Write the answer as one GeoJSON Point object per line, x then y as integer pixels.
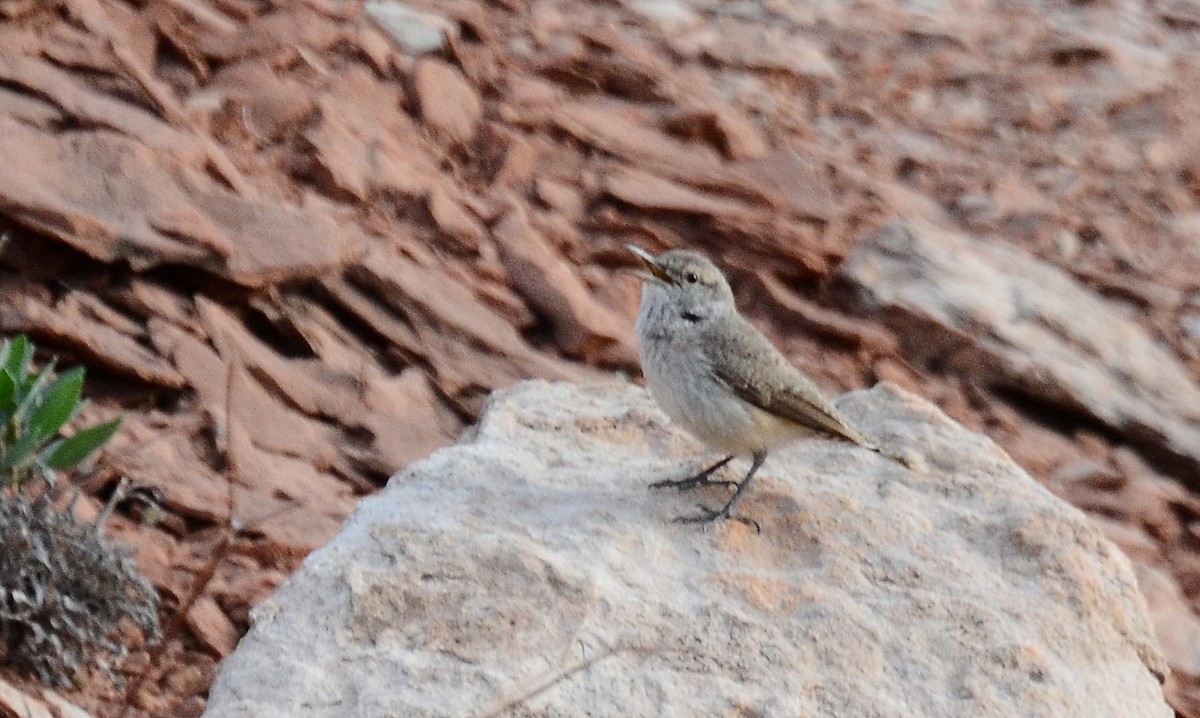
{"type": "Point", "coordinates": [686, 281]}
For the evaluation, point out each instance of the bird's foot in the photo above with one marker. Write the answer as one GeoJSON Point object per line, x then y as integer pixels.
{"type": "Point", "coordinates": [691, 483]}
{"type": "Point", "coordinates": [708, 516]}
{"type": "Point", "coordinates": [700, 479]}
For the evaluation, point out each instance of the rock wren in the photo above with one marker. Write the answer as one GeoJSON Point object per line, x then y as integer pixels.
{"type": "Point", "coordinates": [716, 375]}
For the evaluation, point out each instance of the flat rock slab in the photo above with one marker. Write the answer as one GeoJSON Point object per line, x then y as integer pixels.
{"type": "Point", "coordinates": [528, 571]}
{"type": "Point", "coordinates": [1008, 319]}
{"type": "Point", "coordinates": [115, 199]}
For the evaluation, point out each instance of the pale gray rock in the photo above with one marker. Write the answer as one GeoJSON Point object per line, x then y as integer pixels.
{"type": "Point", "coordinates": [671, 15]}
{"type": "Point", "coordinates": [1007, 319]}
{"type": "Point", "coordinates": [36, 702]}
{"type": "Point", "coordinates": [528, 571]}
{"type": "Point", "coordinates": [418, 32]}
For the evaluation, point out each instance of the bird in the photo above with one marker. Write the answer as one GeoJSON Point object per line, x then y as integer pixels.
{"type": "Point", "coordinates": [716, 375]}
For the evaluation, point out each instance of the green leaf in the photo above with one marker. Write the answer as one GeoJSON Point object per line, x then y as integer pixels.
{"type": "Point", "coordinates": [59, 405]}
{"type": "Point", "coordinates": [15, 356]}
{"type": "Point", "coordinates": [8, 390]}
{"type": "Point", "coordinates": [33, 393]}
{"type": "Point", "coordinates": [81, 445]}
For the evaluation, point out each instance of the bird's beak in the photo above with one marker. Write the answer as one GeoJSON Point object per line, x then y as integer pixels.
{"type": "Point", "coordinates": [656, 273]}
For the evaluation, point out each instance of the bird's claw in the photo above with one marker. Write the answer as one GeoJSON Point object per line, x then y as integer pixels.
{"type": "Point", "coordinates": [708, 515]}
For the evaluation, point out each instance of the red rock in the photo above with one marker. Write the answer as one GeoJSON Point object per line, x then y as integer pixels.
{"type": "Point", "coordinates": [83, 103]}
{"type": "Point", "coordinates": [197, 674]}
{"type": "Point", "coordinates": [211, 627]}
{"type": "Point", "coordinates": [1092, 473]}
{"type": "Point", "coordinates": [769, 47]}
{"type": "Point", "coordinates": [273, 104]}
{"type": "Point", "coordinates": [792, 181]}
{"type": "Point", "coordinates": [190, 707]}
{"type": "Point", "coordinates": [1132, 540]}
{"type": "Point", "coordinates": [29, 110]}
{"type": "Point", "coordinates": [374, 44]}
{"type": "Point", "coordinates": [531, 91]}
{"type": "Point", "coordinates": [273, 426]}
{"type": "Point", "coordinates": [241, 583]}
{"type": "Point", "coordinates": [621, 133]}
{"type": "Point", "coordinates": [642, 189]}
{"type": "Point", "coordinates": [449, 104]}
{"type": "Point", "coordinates": [404, 419]}
{"type": "Point", "coordinates": [734, 134]}
{"type": "Point", "coordinates": [898, 373]}
{"type": "Point", "coordinates": [81, 321]}
{"type": "Point", "coordinates": [280, 490]}
{"type": "Point", "coordinates": [104, 111]}
{"type": "Point", "coordinates": [521, 158]}
{"type": "Point", "coordinates": [114, 199]}
{"type": "Point", "coordinates": [288, 532]}
{"type": "Point", "coordinates": [581, 326]}
{"type": "Point", "coordinates": [308, 386]}
{"type": "Point", "coordinates": [168, 462]}
{"type": "Point", "coordinates": [1178, 631]}
{"type": "Point", "coordinates": [783, 180]}
{"type": "Point", "coordinates": [364, 143]}
{"type": "Point", "coordinates": [454, 220]}
{"type": "Point", "coordinates": [153, 301]}
{"type": "Point", "coordinates": [444, 322]}
{"type": "Point", "coordinates": [561, 197]}
{"type": "Point", "coordinates": [152, 701]}
{"type": "Point", "coordinates": [268, 33]}
{"type": "Point", "coordinates": [507, 303]}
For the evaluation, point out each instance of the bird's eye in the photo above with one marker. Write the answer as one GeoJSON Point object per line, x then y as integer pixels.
{"type": "Point", "coordinates": [691, 278]}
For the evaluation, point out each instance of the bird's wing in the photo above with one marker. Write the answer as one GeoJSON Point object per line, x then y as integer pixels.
{"type": "Point", "coordinates": [746, 361]}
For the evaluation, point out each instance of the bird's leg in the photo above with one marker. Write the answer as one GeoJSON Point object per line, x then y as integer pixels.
{"type": "Point", "coordinates": [700, 479]}
{"type": "Point", "coordinates": [726, 511]}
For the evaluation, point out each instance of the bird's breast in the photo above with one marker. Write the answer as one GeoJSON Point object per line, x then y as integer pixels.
{"type": "Point", "coordinates": [677, 370]}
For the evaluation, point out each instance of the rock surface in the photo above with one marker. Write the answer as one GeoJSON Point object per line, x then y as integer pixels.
{"type": "Point", "coordinates": [1004, 317]}
{"type": "Point", "coordinates": [528, 570]}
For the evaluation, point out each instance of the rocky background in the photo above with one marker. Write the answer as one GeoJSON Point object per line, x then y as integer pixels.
{"type": "Point", "coordinates": [298, 242]}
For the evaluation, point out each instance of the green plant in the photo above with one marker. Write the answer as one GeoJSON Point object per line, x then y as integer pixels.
{"type": "Point", "coordinates": [34, 407]}
{"type": "Point", "coordinates": [66, 595]}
